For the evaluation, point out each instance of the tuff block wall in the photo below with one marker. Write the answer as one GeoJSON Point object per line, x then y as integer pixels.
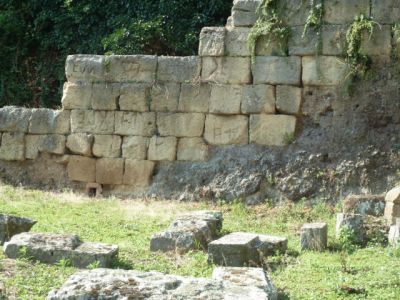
{"type": "Point", "coordinates": [123, 116]}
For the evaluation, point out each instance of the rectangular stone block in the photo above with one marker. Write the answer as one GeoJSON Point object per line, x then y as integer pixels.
{"type": "Point", "coordinates": [226, 99]}
{"type": "Point", "coordinates": [334, 39]}
{"type": "Point", "coordinates": [162, 148]}
{"type": "Point", "coordinates": [36, 144]}
{"type": "Point", "coordinates": [303, 45]}
{"type": "Point", "coordinates": [131, 123]}
{"type": "Point", "coordinates": [212, 41]}
{"type": "Point", "coordinates": [314, 236]}
{"type": "Point", "coordinates": [385, 12]}
{"type": "Point", "coordinates": [288, 99]}
{"type": "Point", "coordinates": [105, 96]}
{"type": "Point", "coordinates": [379, 44]}
{"type": "Point", "coordinates": [135, 97]}
{"type": "Point", "coordinates": [244, 12]}
{"type": "Point", "coordinates": [14, 119]}
{"type": "Point", "coordinates": [131, 68]}
{"type": "Point", "coordinates": [77, 95]}
{"type": "Point", "coordinates": [269, 46]}
{"type": "Point", "coordinates": [259, 98]}
{"type": "Point", "coordinates": [80, 143]}
{"type": "Point", "coordinates": [135, 147]}
{"type": "Point", "coordinates": [392, 212]}
{"type": "Point", "coordinates": [85, 68]}
{"type": "Point", "coordinates": [365, 205]}
{"type": "Point", "coordinates": [180, 124]}
{"type": "Point", "coordinates": [12, 146]}
{"type": "Point", "coordinates": [165, 97]}
{"type": "Point", "coordinates": [138, 173]}
{"type": "Point", "coordinates": [178, 69]}
{"type": "Point", "coordinates": [226, 130]}
{"type": "Point", "coordinates": [236, 42]}
{"type": "Point", "coordinates": [107, 146]}
{"type": "Point", "coordinates": [324, 70]}
{"type": "Point", "coordinates": [294, 12]}
{"type": "Point", "coordinates": [277, 70]}
{"type": "Point", "coordinates": [45, 121]}
{"type": "Point", "coordinates": [100, 122]}
{"type": "Point", "coordinates": [110, 170]}
{"type": "Point", "coordinates": [271, 130]}
{"type": "Point", "coordinates": [231, 70]}
{"type": "Point", "coordinates": [192, 149]}
{"type": "Point", "coordinates": [271, 245]}
{"type": "Point", "coordinates": [344, 11]}
{"type": "Point", "coordinates": [81, 168]}
{"type": "Point", "coordinates": [194, 98]}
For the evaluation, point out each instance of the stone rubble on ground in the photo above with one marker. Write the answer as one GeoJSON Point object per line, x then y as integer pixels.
{"type": "Point", "coordinates": [52, 248]}
{"type": "Point", "coordinates": [189, 232]}
{"type": "Point", "coordinates": [244, 249]}
{"type": "Point", "coordinates": [227, 283]}
{"type": "Point", "coordinates": [12, 225]}
{"type": "Point", "coordinates": [373, 205]}
{"type": "Point", "coordinates": [314, 236]}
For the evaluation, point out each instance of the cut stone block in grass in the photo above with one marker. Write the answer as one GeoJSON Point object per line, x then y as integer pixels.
{"type": "Point", "coordinates": [12, 225]}
{"type": "Point", "coordinates": [189, 232]}
{"type": "Point", "coordinates": [314, 236]}
{"type": "Point", "coordinates": [353, 222]}
{"type": "Point", "coordinates": [52, 248]}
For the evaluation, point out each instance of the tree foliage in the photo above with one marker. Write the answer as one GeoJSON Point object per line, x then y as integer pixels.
{"type": "Point", "coordinates": [37, 35]}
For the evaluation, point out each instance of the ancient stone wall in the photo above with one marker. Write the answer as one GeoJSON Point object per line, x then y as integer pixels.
{"type": "Point", "coordinates": [126, 119]}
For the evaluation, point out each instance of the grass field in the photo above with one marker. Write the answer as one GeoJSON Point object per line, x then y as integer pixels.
{"type": "Point", "coordinates": [372, 272]}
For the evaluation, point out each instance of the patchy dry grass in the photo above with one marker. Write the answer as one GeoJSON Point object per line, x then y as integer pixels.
{"type": "Point", "coordinates": [131, 223]}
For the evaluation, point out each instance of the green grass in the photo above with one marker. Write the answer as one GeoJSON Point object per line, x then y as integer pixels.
{"type": "Point", "coordinates": [131, 223]}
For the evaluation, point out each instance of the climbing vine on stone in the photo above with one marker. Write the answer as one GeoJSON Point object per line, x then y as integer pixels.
{"type": "Point", "coordinates": [315, 21]}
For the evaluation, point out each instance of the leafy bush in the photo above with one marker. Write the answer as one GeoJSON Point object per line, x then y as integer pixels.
{"type": "Point", "coordinates": [36, 36]}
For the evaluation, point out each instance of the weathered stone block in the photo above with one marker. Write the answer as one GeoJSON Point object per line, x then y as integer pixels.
{"type": "Point", "coordinates": [236, 42]}
{"type": "Point", "coordinates": [45, 121]}
{"type": "Point", "coordinates": [131, 68]}
{"type": "Point", "coordinates": [302, 45]}
{"type": "Point", "coordinates": [12, 225]}
{"type": "Point", "coordinates": [162, 148]}
{"type": "Point", "coordinates": [51, 248]}
{"type": "Point", "coordinates": [135, 97]}
{"type": "Point", "coordinates": [373, 205]}
{"type": "Point", "coordinates": [314, 236]}
{"type": "Point", "coordinates": [353, 222]}
{"type": "Point", "coordinates": [294, 12]}
{"type": "Point", "coordinates": [394, 234]}
{"type": "Point", "coordinates": [85, 68]}
{"type": "Point", "coordinates": [165, 97]}
{"type": "Point", "coordinates": [80, 143]}
{"type": "Point", "coordinates": [323, 70]}
{"type": "Point", "coordinates": [392, 208]}
{"type": "Point", "coordinates": [77, 95]}
{"type": "Point", "coordinates": [344, 11]}
{"type": "Point", "coordinates": [393, 195]}
{"type": "Point", "coordinates": [271, 245]}
{"type": "Point", "coordinates": [379, 43]}
{"type": "Point", "coordinates": [271, 130]}
{"type": "Point", "coordinates": [226, 130]}
{"type": "Point", "coordinates": [110, 170]}
{"type": "Point", "coordinates": [130, 123]}
{"type": "Point", "coordinates": [231, 70]}
{"type": "Point", "coordinates": [385, 12]}
{"type": "Point", "coordinates": [135, 147]}
{"type": "Point", "coordinates": [12, 146]}
{"type": "Point", "coordinates": [244, 12]}
{"type": "Point", "coordinates": [178, 69]}
{"type": "Point", "coordinates": [107, 146]}
{"type": "Point", "coordinates": [333, 39]}
{"type": "Point", "coordinates": [212, 41]}
{"type": "Point", "coordinates": [267, 46]}
{"type": "Point", "coordinates": [81, 168]}
{"type": "Point", "coordinates": [226, 99]}
{"type": "Point", "coordinates": [105, 96]}
{"type": "Point", "coordinates": [194, 98]}
{"type": "Point", "coordinates": [180, 124]}
{"type": "Point", "coordinates": [14, 119]}
{"type": "Point", "coordinates": [288, 99]}
{"type": "Point", "coordinates": [138, 173]}
{"type": "Point", "coordinates": [97, 122]}
{"type": "Point", "coordinates": [259, 98]}
{"type": "Point", "coordinates": [192, 149]}
{"type": "Point", "coordinates": [277, 70]}
{"type": "Point", "coordinates": [53, 143]}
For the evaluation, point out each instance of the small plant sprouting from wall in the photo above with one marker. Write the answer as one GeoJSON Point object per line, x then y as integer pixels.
{"type": "Point", "coordinates": [269, 24]}
{"type": "Point", "coordinates": [315, 20]}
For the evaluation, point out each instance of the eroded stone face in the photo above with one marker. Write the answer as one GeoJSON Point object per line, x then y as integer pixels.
{"type": "Point", "coordinates": [138, 173]}
{"type": "Point", "coordinates": [165, 97]}
{"type": "Point", "coordinates": [194, 98]}
{"type": "Point", "coordinates": [54, 143]}
{"type": "Point", "coordinates": [212, 41]}
{"type": "Point", "coordinates": [229, 70]}
{"type": "Point", "coordinates": [81, 168]}
{"type": "Point", "coordinates": [77, 95]}
{"type": "Point", "coordinates": [14, 119]}
{"type": "Point", "coordinates": [314, 236]}
{"type": "Point", "coordinates": [162, 148]}
{"type": "Point", "coordinates": [109, 170]}
{"type": "Point", "coordinates": [80, 143]}
{"type": "Point", "coordinates": [259, 98]}
{"type": "Point", "coordinates": [192, 149]}
{"type": "Point", "coordinates": [180, 124]}
{"type": "Point", "coordinates": [130, 123]}
{"type": "Point", "coordinates": [277, 70]}
{"type": "Point", "coordinates": [225, 130]}
{"type": "Point", "coordinates": [323, 70]}
{"type": "Point", "coordinates": [45, 121]}
{"type": "Point", "coordinates": [85, 68]}
{"type": "Point", "coordinates": [135, 147]}
{"type": "Point", "coordinates": [131, 68]}
{"type": "Point", "coordinates": [178, 69]}
{"type": "Point", "coordinates": [272, 130]}
{"type": "Point", "coordinates": [12, 146]}
{"type": "Point", "coordinates": [135, 97]}
{"type": "Point", "coordinates": [89, 121]}
{"type": "Point", "coordinates": [12, 225]}
{"type": "Point", "coordinates": [226, 99]}
{"type": "Point", "coordinates": [107, 146]}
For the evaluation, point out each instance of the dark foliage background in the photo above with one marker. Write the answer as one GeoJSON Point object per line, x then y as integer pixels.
{"type": "Point", "coordinates": [37, 35]}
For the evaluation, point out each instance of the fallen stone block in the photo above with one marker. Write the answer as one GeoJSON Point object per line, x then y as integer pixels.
{"type": "Point", "coordinates": [189, 232]}
{"type": "Point", "coordinates": [373, 205]}
{"type": "Point", "coordinates": [51, 248]}
{"type": "Point", "coordinates": [244, 249]}
{"type": "Point", "coordinates": [353, 222]}
{"type": "Point", "coordinates": [314, 236]}
{"type": "Point", "coordinates": [394, 234]}
{"type": "Point", "coordinates": [238, 283]}
{"type": "Point", "coordinates": [12, 225]}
